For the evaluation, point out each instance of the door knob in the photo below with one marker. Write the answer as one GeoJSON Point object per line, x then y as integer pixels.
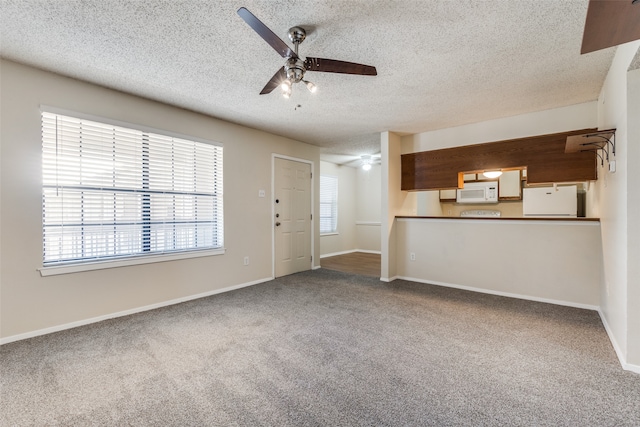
{"type": "Point", "coordinates": [277, 215]}
{"type": "Point", "coordinates": [277, 224]}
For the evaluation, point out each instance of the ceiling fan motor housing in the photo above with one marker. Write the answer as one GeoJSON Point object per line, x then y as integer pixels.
{"type": "Point", "coordinates": [294, 68]}
{"type": "Point", "coordinates": [297, 34]}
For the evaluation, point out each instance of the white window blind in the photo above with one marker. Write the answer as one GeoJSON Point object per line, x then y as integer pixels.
{"type": "Point", "coordinates": [328, 204]}
{"type": "Point", "coordinates": [112, 192]}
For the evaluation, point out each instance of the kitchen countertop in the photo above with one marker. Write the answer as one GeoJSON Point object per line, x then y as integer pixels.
{"type": "Point", "coordinates": [504, 218]}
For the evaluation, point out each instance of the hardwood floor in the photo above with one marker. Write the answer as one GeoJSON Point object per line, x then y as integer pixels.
{"type": "Point", "coordinates": [356, 262]}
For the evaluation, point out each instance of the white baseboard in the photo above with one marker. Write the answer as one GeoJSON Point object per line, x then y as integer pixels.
{"type": "Point", "coordinates": [504, 294]}
{"type": "Point", "coordinates": [631, 368]}
{"type": "Point", "coordinates": [621, 358]}
{"type": "Point", "coordinates": [366, 251]}
{"type": "Point", "coordinates": [389, 279]}
{"type": "Point", "coordinates": [612, 338]}
{"type": "Point", "coordinates": [71, 325]}
{"type": "Point", "coordinates": [316, 267]}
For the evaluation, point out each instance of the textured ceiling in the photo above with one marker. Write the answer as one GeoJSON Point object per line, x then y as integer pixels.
{"type": "Point", "coordinates": [440, 63]}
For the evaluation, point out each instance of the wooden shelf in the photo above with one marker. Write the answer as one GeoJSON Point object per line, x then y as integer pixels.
{"type": "Point", "coordinates": [602, 142]}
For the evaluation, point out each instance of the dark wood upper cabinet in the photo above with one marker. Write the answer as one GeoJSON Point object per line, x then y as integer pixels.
{"type": "Point", "coordinates": [543, 156]}
{"type": "Point", "coordinates": [610, 23]}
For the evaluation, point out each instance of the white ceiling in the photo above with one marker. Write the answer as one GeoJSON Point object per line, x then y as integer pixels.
{"type": "Point", "coordinates": [440, 63]}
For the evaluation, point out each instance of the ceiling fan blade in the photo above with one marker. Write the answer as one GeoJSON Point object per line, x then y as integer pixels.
{"type": "Point", "coordinates": [334, 66]}
{"type": "Point", "coordinates": [275, 81]}
{"type": "Point", "coordinates": [269, 36]}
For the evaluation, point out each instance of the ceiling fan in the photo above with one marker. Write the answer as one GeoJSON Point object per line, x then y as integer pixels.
{"type": "Point", "coordinates": [294, 67]}
{"type": "Point", "coordinates": [365, 161]}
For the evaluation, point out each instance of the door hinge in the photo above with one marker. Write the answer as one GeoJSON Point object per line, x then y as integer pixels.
{"type": "Point", "coordinates": [311, 217]}
{"type": "Point", "coordinates": [311, 258]}
{"type": "Point", "coordinates": [311, 175]}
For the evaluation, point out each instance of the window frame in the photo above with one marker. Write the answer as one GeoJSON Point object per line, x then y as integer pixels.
{"type": "Point", "coordinates": [334, 230]}
{"type": "Point", "coordinates": [138, 258]}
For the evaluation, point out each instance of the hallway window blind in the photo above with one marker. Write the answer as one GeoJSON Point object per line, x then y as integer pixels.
{"type": "Point", "coordinates": [328, 204]}
{"type": "Point", "coordinates": [111, 192]}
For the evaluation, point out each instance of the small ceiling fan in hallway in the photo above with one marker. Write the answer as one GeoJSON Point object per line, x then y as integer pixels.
{"type": "Point", "coordinates": [295, 67]}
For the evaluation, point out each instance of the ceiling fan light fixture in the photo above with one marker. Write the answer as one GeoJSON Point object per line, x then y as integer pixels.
{"type": "Point", "coordinates": [366, 162]}
{"type": "Point", "coordinates": [312, 87]}
{"type": "Point", "coordinates": [286, 88]}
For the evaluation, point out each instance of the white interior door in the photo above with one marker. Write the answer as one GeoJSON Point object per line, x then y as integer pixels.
{"type": "Point", "coordinates": [292, 222]}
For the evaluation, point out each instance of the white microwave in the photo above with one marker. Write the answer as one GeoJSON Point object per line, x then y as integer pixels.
{"type": "Point", "coordinates": [478, 192]}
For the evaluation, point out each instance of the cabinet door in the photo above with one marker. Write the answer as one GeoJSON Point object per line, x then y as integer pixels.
{"type": "Point", "coordinates": [510, 188]}
{"type": "Point", "coordinates": [448, 195]}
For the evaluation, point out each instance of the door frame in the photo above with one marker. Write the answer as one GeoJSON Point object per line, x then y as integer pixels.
{"type": "Point", "coordinates": [275, 156]}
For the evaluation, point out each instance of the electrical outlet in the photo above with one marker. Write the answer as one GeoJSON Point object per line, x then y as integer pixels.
{"type": "Point", "coordinates": [261, 193]}
{"type": "Point", "coordinates": [412, 256]}
{"type": "Point", "coordinates": [246, 260]}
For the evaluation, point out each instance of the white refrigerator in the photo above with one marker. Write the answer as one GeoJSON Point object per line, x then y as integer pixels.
{"type": "Point", "coordinates": [550, 202]}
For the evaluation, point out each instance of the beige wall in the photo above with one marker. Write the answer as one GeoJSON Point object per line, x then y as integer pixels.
{"type": "Point", "coordinates": [428, 204]}
{"type": "Point", "coordinates": [554, 261]}
{"type": "Point", "coordinates": [507, 209]}
{"type": "Point", "coordinates": [394, 202]}
{"type": "Point", "coordinates": [573, 117]}
{"type": "Point", "coordinates": [344, 240]}
{"type": "Point", "coordinates": [612, 190]}
{"type": "Point", "coordinates": [368, 199]}
{"type": "Point", "coordinates": [31, 303]}
{"type": "Point", "coordinates": [358, 210]}
{"type": "Point", "coordinates": [633, 207]}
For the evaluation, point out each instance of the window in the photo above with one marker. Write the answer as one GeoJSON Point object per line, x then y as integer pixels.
{"type": "Point", "coordinates": [328, 204]}
{"type": "Point", "coordinates": [111, 192]}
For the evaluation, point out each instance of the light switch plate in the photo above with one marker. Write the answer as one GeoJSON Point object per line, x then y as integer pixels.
{"type": "Point", "coordinates": [261, 193]}
{"type": "Point", "coordinates": [612, 166]}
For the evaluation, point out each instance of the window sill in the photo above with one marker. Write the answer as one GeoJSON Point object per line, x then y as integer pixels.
{"type": "Point", "coordinates": [124, 262]}
{"type": "Point", "coordinates": [335, 233]}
